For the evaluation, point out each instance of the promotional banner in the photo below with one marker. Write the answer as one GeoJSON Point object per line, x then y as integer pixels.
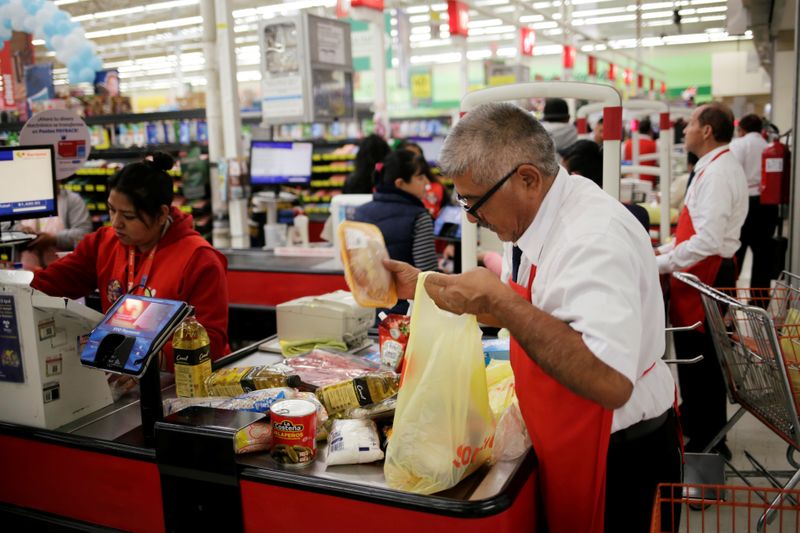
{"type": "Point", "coordinates": [459, 18]}
{"type": "Point", "coordinates": [17, 53]}
{"type": "Point", "coordinates": [612, 72]}
{"type": "Point", "coordinates": [569, 57]}
{"type": "Point", "coordinates": [527, 38]}
{"type": "Point", "coordinates": [377, 5]}
{"type": "Point", "coordinates": [592, 68]}
{"type": "Point", "coordinates": [106, 82]}
{"type": "Point", "coordinates": [421, 86]}
{"type": "Point", "coordinates": [68, 134]}
{"type": "Point", "coordinates": [39, 85]}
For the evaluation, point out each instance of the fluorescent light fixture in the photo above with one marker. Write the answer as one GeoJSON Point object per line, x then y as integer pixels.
{"type": "Point", "coordinates": [420, 29]}
{"type": "Point", "coordinates": [413, 10]}
{"type": "Point", "coordinates": [484, 23]}
{"type": "Point", "coordinates": [713, 18]}
{"type": "Point", "coordinates": [525, 19]}
{"type": "Point", "coordinates": [494, 30]}
{"type": "Point", "coordinates": [547, 24]}
{"type": "Point", "coordinates": [657, 15]}
{"type": "Point", "coordinates": [160, 6]}
{"type": "Point", "coordinates": [416, 19]}
{"type": "Point", "coordinates": [505, 9]}
{"type": "Point", "coordinates": [657, 5]}
{"type": "Point", "coordinates": [715, 9]}
{"type": "Point", "coordinates": [152, 26]}
{"type": "Point", "coordinates": [610, 19]}
{"type": "Point", "coordinates": [598, 12]}
{"type": "Point", "coordinates": [487, 3]}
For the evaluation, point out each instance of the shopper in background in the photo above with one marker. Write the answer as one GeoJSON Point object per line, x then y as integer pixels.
{"type": "Point", "coordinates": [680, 184]}
{"type": "Point", "coordinates": [60, 233]}
{"type": "Point", "coordinates": [581, 276]}
{"type": "Point", "coordinates": [150, 248]}
{"type": "Point", "coordinates": [435, 196]}
{"type": "Point", "coordinates": [585, 158]}
{"type": "Point", "coordinates": [706, 240]}
{"type": "Point", "coordinates": [762, 220]}
{"type": "Point", "coordinates": [646, 146]}
{"type": "Point", "coordinates": [397, 209]}
{"type": "Point", "coordinates": [597, 134]}
{"type": "Point", "coordinates": [372, 150]}
{"type": "Point", "coordinates": [556, 123]}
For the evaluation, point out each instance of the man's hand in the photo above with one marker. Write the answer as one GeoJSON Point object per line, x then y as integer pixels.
{"type": "Point", "coordinates": [405, 277]}
{"type": "Point", "coordinates": [472, 292]}
{"type": "Point", "coordinates": [43, 242]}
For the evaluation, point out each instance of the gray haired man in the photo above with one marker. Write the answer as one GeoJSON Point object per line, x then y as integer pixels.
{"type": "Point", "coordinates": [581, 297]}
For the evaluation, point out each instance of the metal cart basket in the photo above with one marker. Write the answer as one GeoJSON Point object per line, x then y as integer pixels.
{"type": "Point", "coordinates": [756, 333]}
{"type": "Point", "coordinates": [725, 509]}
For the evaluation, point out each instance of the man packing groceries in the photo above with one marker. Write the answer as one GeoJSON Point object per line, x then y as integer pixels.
{"type": "Point", "coordinates": [706, 239]}
{"type": "Point", "coordinates": [581, 297]}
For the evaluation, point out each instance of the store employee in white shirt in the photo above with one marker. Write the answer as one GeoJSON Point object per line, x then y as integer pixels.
{"type": "Point", "coordinates": [706, 240]}
{"type": "Point", "coordinates": [762, 220]}
{"type": "Point", "coordinates": [581, 296]}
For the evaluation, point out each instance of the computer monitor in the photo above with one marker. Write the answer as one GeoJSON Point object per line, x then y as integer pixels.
{"type": "Point", "coordinates": [280, 163]}
{"type": "Point", "coordinates": [27, 182]}
{"type": "Point", "coordinates": [448, 223]}
{"type": "Point", "coordinates": [431, 147]}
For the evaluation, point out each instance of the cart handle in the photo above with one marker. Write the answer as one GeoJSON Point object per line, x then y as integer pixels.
{"type": "Point", "coordinates": [684, 361]}
{"type": "Point", "coordinates": [684, 328]}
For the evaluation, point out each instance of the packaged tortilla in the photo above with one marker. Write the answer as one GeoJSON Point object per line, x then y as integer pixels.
{"type": "Point", "coordinates": [363, 251]}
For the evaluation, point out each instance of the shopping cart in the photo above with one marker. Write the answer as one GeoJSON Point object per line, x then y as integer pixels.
{"type": "Point", "coordinates": [756, 333]}
{"type": "Point", "coordinates": [725, 509]}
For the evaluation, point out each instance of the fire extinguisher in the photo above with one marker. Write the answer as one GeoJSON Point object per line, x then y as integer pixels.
{"type": "Point", "coordinates": [775, 173]}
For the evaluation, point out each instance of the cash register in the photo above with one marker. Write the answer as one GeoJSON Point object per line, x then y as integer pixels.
{"type": "Point", "coordinates": [334, 315]}
{"type": "Point", "coordinates": [42, 382]}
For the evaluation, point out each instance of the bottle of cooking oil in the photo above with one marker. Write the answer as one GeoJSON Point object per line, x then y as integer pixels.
{"type": "Point", "coordinates": [192, 350]}
{"type": "Point", "coordinates": [366, 390]}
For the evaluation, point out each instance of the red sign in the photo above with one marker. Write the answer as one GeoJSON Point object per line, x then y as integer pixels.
{"type": "Point", "coordinates": [627, 76]}
{"type": "Point", "coordinates": [342, 9]}
{"type": "Point", "coordinates": [640, 81]}
{"type": "Point", "coordinates": [592, 66]}
{"type": "Point", "coordinates": [663, 88]}
{"type": "Point", "coordinates": [377, 5]}
{"type": "Point", "coordinates": [612, 72]}
{"type": "Point", "coordinates": [459, 18]}
{"type": "Point", "coordinates": [569, 56]}
{"type": "Point", "coordinates": [16, 53]}
{"type": "Point", "coordinates": [652, 85]}
{"type": "Point", "coordinates": [527, 37]}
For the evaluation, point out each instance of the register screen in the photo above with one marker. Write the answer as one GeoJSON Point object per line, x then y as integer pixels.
{"type": "Point", "coordinates": [280, 162]}
{"type": "Point", "coordinates": [27, 182]}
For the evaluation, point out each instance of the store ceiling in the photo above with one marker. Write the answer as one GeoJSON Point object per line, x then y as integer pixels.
{"type": "Point", "coordinates": [144, 39]}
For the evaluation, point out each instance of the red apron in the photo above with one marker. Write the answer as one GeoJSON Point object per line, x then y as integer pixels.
{"type": "Point", "coordinates": [686, 307]}
{"type": "Point", "coordinates": [570, 435]}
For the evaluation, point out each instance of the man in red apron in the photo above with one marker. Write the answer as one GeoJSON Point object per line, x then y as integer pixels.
{"type": "Point", "coordinates": [583, 304]}
{"type": "Point", "coordinates": [706, 239]}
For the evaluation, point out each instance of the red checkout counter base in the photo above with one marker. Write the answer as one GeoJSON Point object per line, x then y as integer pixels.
{"type": "Point", "coordinates": [260, 278]}
{"type": "Point", "coordinates": [97, 471]}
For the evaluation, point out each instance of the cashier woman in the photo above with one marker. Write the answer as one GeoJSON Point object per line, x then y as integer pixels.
{"type": "Point", "coordinates": [149, 249]}
{"type": "Point", "coordinates": [580, 295]}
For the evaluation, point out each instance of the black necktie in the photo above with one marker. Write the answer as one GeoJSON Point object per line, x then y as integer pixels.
{"type": "Point", "coordinates": [691, 177]}
{"type": "Point", "coordinates": [516, 257]}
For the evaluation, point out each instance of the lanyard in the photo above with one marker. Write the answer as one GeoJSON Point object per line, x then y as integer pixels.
{"type": "Point", "coordinates": [146, 266]}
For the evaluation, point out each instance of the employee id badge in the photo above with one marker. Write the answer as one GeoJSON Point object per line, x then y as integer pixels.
{"type": "Point", "coordinates": [132, 332]}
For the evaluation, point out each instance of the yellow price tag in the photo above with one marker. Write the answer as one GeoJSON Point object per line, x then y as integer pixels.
{"type": "Point", "coordinates": [421, 86]}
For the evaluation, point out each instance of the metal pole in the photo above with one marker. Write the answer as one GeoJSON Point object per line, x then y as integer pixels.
{"type": "Point", "coordinates": [231, 120]}
{"type": "Point", "coordinates": [219, 208]}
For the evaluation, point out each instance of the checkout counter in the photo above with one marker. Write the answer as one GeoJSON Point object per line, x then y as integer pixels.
{"type": "Point", "coordinates": [99, 470]}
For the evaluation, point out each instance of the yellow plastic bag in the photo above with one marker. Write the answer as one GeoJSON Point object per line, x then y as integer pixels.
{"type": "Point", "coordinates": [443, 426]}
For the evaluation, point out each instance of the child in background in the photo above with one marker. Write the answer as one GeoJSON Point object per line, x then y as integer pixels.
{"type": "Point", "coordinates": [435, 196]}
{"type": "Point", "coordinates": [397, 209]}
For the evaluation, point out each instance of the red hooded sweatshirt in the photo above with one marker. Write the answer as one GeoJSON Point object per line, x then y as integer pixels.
{"type": "Point", "coordinates": [185, 267]}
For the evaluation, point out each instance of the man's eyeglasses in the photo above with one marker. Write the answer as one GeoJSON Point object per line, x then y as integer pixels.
{"type": "Point", "coordinates": [473, 211]}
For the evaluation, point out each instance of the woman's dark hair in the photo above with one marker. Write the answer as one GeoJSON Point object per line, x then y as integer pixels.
{"type": "Point", "coordinates": [401, 164]}
{"type": "Point", "coordinates": [413, 147]}
{"type": "Point", "coordinates": [751, 123]}
{"type": "Point", "coordinates": [372, 150]}
{"type": "Point", "coordinates": [146, 184]}
{"type": "Point", "coordinates": [585, 157]}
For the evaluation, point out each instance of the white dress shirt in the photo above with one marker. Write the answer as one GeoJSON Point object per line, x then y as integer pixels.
{"type": "Point", "coordinates": [717, 201]}
{"type": "Point", "coordinates": [596, 271]}
{"type": "Point", "coordinates": [747, 150]}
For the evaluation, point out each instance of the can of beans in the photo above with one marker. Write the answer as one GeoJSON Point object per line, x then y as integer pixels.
{"type": "Point", "coordinates": [294, 432]}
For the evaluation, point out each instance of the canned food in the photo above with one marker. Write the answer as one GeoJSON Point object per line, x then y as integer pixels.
{"type": "Point", "coordinates": [294, 432]}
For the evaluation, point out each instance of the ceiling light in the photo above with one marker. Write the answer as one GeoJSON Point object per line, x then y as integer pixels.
{"type": "Point", "coordinates": [487, 3]}
{"type": "Point", "coordinates": [609, 20]}
{"type": "Point", "coordinates": [416, 19]}
{"type": "Point", "coordinates": [485, 23]}
{"type": "Point", "coordinates": [531, 18]}
{"type": "Point", "coordinates": [716, 9]}
{"type": "Point", "coordinates": [598, 12]}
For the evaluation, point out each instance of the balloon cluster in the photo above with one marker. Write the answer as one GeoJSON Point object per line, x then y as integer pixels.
{"type": "Point", "coordinates": [45, 20]}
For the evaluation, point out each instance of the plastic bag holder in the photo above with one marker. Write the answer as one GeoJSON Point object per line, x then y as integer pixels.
{"type": "Point", "coordinates": [197, 464]}
{"type": "Point", "coordinates": [150, 401]}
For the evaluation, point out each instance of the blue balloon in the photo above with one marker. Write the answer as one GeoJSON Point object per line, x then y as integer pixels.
{"type": "Point", "coordinates": [4, 2]}
{"type": "Point", "coordinates": [33, 6]}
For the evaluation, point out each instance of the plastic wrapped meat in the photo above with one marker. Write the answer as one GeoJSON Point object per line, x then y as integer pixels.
{"type": "Point", "coordinates": [320, 368]}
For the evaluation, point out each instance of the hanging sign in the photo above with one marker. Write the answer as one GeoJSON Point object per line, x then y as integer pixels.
{"type": "Point", "coordinates": [612, 72]}
{"type": "Point", "coordinates": [68, 134]}
{"type": "Point", "coordinates": [459, 17]}
{"type": "Point", "coordinates": [527, 38]}
{"type": "Point", "coordinates": [592, 70]}
{"type": "Point", "coordinates": [569, 56]}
